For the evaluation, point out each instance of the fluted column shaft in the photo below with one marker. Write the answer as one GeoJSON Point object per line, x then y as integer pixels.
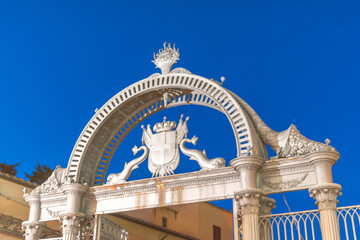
{"type": "Point", "coordinates": [248, 198]}
{"type": "Point", "coordinates": [32, 227]}
{"type": "Point", "coordinates": [249, 205]}
{"type": "Point", "coordinates": [266, 205]}
{"type": "Point", "coordinates": [326, 192]}
{"type": "Point", "coordinates": [326, 200]}
{"type": "Point", "coordinates": [71, 219]}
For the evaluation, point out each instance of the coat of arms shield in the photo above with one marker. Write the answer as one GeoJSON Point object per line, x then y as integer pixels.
{"type": "Point", "coordinates": [164, 146]}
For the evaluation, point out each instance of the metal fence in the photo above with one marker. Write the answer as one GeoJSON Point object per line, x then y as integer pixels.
{"type": "Point", "coordinates": [108, 230]}
{"type": "Point", "coordinates": [305, 225]}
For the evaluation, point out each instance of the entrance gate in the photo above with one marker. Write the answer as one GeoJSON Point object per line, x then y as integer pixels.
{"type": "Point", "coordinates": [81, 190]}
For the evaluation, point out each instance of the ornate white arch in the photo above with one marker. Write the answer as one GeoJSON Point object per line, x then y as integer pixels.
{"type": "Point", "coordinates": [300, 162]}
{"type": "Point", "coordinates": [100, 138]}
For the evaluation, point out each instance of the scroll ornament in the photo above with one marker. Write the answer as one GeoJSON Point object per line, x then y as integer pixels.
{"type": "Point", "coordinates": [52, 184]}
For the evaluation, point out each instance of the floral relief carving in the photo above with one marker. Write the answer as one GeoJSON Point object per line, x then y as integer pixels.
{"type": "Point", "coordinates": [298, 145]}
{"type": "Point", "coordinates": [52, 184]}
{"type": "Point", "coordinates": [181, 70]}
{"type": "Point", "coordinates": [53, 213]}
{"type": "Point", "coordinates": [285, 184]}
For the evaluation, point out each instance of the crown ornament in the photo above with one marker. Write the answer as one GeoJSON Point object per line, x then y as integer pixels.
{"type": "Point", "coordinates": [166, 58]}
{"type": "Point", "coordinates": [164, 126]}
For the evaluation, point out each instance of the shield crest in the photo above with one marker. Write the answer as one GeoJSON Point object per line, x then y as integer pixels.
{"type": "Point", "coordinates": [164, 153]}
{"type": "Point", "coordinates": [164, 146]}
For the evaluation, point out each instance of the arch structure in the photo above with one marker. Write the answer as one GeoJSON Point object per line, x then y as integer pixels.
{"type": "Point", "coordinates": [100, 138]}
{"type": "Point", "coordinates": [77, 191]}
{"type": "Point", "coordinates": [109, 126]}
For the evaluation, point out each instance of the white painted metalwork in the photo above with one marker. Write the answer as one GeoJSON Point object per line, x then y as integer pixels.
{"type": "Point", "coordinates": [58, 238]}
{"type": "Point", "coordinates": [71, 194]}
{"type": "Point", "coordinates": [111, 231]}
{"type": "Point", "coordinates": [107, 229]}
{"type": "Point", "coordinates": [305, 225]}
{"type": "Point", "coordinates": [349, 220]}
{"type": "Point", "coordinates": [139, 101]}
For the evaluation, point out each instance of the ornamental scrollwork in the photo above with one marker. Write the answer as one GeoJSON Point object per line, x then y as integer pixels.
{"type": "Point", "coordinates": [52, 184]}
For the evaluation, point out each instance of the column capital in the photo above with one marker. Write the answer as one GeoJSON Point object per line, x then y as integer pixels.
{"type": "Point", "coordinates": [32, 229]}
{"type": "Point", "coordinates": [266, 205]}
{"type": "Point", "coordinates": [32, 199]}
{"type": "Point", "coordinates": [326, 195]}
{"type": "Point", "coordinates": [70, 222]}
{"type": "Point", "coordinates": [249, 200]}
{"type": "Point", "coordinates": [247, 163]}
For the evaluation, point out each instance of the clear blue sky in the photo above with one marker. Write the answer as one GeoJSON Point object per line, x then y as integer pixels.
{"type": "Point", "coordinates": [292, 61]}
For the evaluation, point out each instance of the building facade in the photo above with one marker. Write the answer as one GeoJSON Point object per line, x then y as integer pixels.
{"type": "Point", "coordinates": [190, 221]}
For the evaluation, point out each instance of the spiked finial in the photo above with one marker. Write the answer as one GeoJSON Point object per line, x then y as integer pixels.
{"type": "Point", "coordinates": [166, 58]}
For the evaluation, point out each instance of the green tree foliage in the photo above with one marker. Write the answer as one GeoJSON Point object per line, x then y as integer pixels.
{"type": "Point", "coordinates": [40, 175]}
{"type": "Point", "coordinates": [8, 168]}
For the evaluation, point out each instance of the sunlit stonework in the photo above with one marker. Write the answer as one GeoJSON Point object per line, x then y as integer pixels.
{"type": "Point", "coordinates": [164, 146]}
{"type": "Point", "coordinates": [71, 194]}
{"type": "Point", "coordinates": [166, 58]}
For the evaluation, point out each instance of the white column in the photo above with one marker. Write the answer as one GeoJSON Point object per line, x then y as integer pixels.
{"type": "Point", "coordinates": [248, 198]}
{"type": "Point", "coordinates": [33, 227]}
{"type": "Point", "coordinates": [97, 227]}
{"type": "Point", "coordinates": [323, 161]}
{"type": "Point", "coordinates": [326, 199]}
{"type": "Point", "coordinates": [325, 193]}
{"type": "Point", "coordinates": [71, 219]}
{"type": "Point", "coordinates": [249, 204]}
{"type": "Point", "coordinates": [235, 219]}
{"type": "Point", "coordinates": [266, 206]}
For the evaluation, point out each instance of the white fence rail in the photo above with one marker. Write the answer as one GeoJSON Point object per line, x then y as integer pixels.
{"type": "Point", "coordinates": [108, 230]}
{"type": "Point", "coordinates": [305, 225]}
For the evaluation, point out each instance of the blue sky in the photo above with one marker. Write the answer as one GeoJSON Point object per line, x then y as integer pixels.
{"type": "Point", "coordinates": [292, 61]}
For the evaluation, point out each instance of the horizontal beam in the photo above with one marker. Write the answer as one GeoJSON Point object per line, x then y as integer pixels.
{"type": "Point", "coordinates": [202, 186]}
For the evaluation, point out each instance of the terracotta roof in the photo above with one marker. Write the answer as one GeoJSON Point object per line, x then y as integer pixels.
{"type": "Point", "coordinates": [17, 180]}
{"type": "Point", "coordinates": [12, 226]}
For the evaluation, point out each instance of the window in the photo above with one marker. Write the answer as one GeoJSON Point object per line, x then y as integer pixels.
{"type": "Point", "coordinates": [217, 232]}
{"type": "Point", "coordinates": [164, 222]}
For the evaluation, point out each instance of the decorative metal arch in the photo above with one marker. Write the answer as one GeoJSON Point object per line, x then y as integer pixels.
{"type": "Point", "coordinates": [100, 138]}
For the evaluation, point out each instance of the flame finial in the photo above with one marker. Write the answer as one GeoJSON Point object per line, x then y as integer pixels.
{"type": "Point", "coordinates": [166, 58]}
